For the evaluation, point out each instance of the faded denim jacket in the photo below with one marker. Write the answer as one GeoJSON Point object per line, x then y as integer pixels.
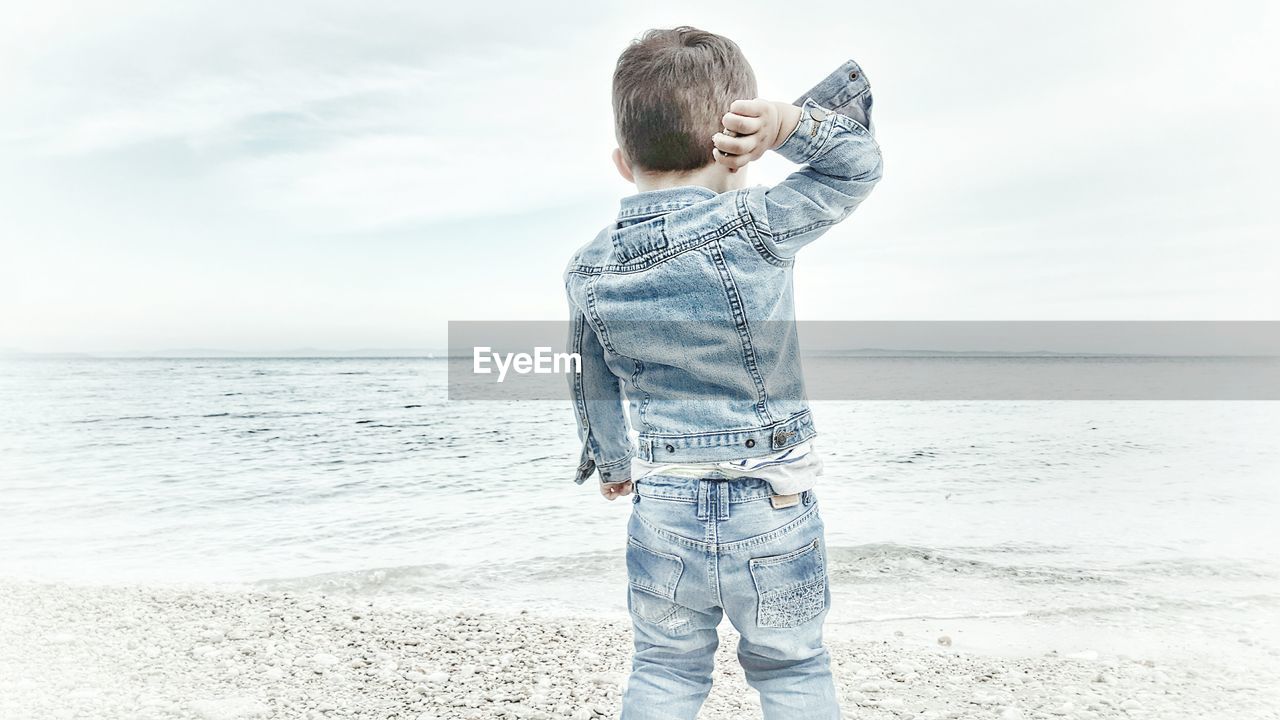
{"type": "Point", "coordinates": [683, 307]}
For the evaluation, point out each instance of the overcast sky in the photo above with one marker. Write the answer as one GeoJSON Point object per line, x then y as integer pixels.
{"type": "Point", "coordinates": [266, 176]}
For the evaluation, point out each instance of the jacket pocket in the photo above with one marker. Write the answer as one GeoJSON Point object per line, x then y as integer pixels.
{"type": "Point", "coordinates": [653, 578]}
{"type": "Point", "coordinates": [791, 588]}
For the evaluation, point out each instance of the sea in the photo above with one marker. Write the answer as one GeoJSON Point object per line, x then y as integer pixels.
{"type": "Point", "coordinates": [1142, 528]}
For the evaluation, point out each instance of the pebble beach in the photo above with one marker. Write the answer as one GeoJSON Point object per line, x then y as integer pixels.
{"type": "Point", "coordinates": [221, 654]}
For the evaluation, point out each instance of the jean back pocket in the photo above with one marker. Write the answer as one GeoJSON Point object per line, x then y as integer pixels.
{"type": "Point", "coordinates": [791, 588]}
{"type": "Point", "coordinates": [653, 578]}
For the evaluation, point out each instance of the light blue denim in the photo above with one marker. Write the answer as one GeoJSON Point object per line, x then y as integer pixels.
{"type": "Point", "coordinates": [698, 550]}
{"type": "Point", "coordinates": [684, 304]}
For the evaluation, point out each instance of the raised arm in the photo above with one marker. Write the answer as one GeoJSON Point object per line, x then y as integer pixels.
{"type": "Point", "coordinates": [828, 136]}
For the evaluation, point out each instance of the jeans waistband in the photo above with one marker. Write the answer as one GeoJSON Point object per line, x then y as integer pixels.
{"type": "Point", "coordinates": [685, 489]}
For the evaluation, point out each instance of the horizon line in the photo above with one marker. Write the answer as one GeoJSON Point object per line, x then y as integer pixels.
{"type": "Point", "coordinates": [444, 354]}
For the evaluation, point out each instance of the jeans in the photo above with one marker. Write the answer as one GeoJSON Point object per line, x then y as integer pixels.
{"type": "Point", "coordinates": [700, 549]}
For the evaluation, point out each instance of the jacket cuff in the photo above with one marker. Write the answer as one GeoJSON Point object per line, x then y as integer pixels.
{"type": "Point", "coordinates": [839, 89]}
{"type": "Point", "coordinates": [615, 472]}
{"type": "Point", "coordinates": [810, 134]}
{"type": "Point", "coordinates": [586, 467]}
{"type": "Point", "coordinates": [618, 471]}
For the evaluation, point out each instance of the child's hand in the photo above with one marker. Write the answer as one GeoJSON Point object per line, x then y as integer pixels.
{"type": "Point", "coordinates": [613, 491]}
{"type": "Point", "coordinates": [751, 128]}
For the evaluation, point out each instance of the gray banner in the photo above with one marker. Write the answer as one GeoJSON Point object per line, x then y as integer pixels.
{"type": "Point", "coordinates": [927, 360]}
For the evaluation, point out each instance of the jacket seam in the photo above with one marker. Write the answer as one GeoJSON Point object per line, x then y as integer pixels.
{"type": "Point", "coordinates": [581, 401]}
{"type": "Point", "coordinates": [754, 229]}
{"type": "Point", "coordinates": [807, 228]}
{"type": "Point", "coordinates": [601, 333]}
{"type": "Point", "coordinates": [744, 332]}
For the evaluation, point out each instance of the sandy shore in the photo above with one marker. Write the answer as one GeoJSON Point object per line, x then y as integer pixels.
{"type": "Point", "coordinates": [73, 652]}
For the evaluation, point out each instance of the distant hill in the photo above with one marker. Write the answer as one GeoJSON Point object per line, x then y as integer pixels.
{"type": "Point", "coordinates": [890, 352]}
{"type": "Point", "coordinates": [290, 353]}
{"type": "Point", "coordinates": [16, 354]}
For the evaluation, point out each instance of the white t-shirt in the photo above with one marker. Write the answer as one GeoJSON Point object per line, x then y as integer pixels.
{"type": "Point", "coordinates": [788, 471]}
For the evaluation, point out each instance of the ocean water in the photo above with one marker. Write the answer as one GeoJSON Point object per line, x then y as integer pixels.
{"type": "Point", "coordinates": [1137, 527]}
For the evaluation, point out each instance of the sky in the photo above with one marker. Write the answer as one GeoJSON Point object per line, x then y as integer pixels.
{"type": "Point", "coordinates": [271, 176]}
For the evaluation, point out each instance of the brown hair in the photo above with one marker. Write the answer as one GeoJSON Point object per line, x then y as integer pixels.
{"type": "Point", "coordinates": [670, 89]}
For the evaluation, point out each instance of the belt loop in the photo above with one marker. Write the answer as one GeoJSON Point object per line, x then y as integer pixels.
{"type": "Point", "coordinates": [723, 489]}
{"type": "Point", "coordinates": [703, 489]}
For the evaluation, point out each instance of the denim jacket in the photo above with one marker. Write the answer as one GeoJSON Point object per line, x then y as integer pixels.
{"type": "Point", "coordinates": [683, 307]}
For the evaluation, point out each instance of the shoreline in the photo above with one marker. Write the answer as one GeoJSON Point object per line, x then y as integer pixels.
{"type": "Point", "coordinates": [223, 654]}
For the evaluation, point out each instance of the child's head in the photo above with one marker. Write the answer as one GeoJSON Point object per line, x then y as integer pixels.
{"type": "Point", "coordinates": [670, 90]}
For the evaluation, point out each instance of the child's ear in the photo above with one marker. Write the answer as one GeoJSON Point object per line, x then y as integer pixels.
{"type": "Point", "coordinates": [624, 169]}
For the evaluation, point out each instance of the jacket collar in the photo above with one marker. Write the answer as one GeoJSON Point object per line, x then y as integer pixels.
{"type": "Point", "coordinates": [645, 205]}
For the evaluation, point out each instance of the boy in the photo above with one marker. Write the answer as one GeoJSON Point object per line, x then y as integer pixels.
{"type": "Point", "coordinates": [684, 307]}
